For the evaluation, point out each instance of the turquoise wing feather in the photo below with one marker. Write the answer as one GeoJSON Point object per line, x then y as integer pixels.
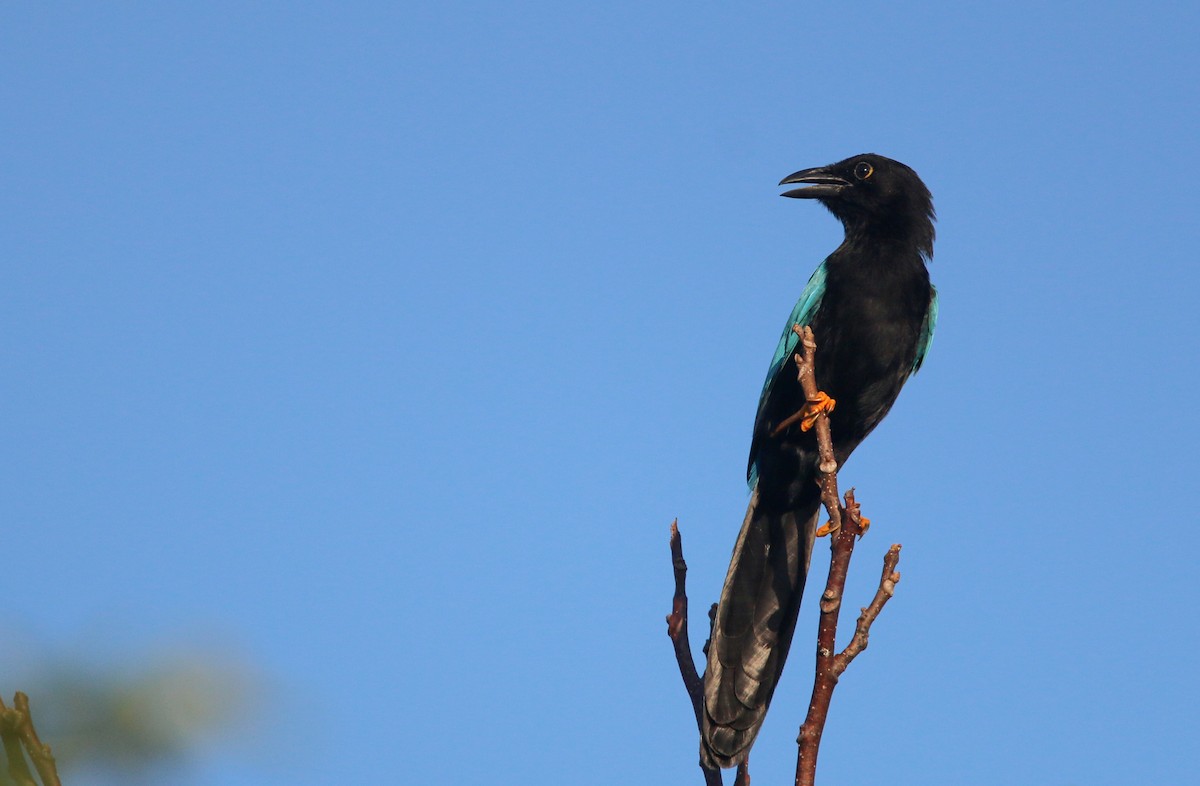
{"type": "Point", "coordinates": [927, 328]}
{"type": "Point", "coordinates": [802, 314]}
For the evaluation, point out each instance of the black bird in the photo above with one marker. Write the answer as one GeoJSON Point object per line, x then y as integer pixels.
{"type": "Point", "coordinates": [872, 310]}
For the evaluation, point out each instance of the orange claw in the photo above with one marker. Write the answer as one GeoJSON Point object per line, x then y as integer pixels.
{"type": "Point", "coordinates": [824, 529]}
{"type": "Point", "coordinates": [864, 524]}
{"type": "Point", "coordinates": [814, 408]}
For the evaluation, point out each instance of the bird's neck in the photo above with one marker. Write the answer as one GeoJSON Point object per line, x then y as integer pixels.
{"type": "Point", "coordinates": [881, 254]}
{"type": "Point", "coordinates": [903, 236]}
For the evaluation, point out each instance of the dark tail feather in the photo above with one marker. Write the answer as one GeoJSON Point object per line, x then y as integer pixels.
{"type": "Point", "coordinates": [753, 627]}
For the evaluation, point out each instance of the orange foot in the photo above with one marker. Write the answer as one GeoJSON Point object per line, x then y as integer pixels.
{"type": "Point", "coordinates": [814, 408]}
{"type": "Point", "coordinates": [864, 524]}
{"type": "Point", "coordinates": [855, 511]}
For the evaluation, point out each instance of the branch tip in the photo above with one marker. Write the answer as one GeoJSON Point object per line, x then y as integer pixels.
{"type": "Point", "coordinates": [677, 630]}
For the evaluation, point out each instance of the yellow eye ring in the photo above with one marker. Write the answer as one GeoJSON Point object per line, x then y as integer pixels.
{"type": "Point", "coordinates": [863, 170]}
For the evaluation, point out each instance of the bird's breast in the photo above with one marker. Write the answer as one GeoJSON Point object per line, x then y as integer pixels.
{"type": "Point", "coordinates": [867, 332]}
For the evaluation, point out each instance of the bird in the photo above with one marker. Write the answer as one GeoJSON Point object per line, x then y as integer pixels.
{"type": "Point", "coordinates": [873, 311]}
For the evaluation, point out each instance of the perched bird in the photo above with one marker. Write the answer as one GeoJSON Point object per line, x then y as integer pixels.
{"type": "Point", "coordinates": [872, 310]}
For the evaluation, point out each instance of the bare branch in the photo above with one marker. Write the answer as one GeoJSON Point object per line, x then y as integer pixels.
{"type": "Point", "coordinates": [677, 629]}
{"type": "Point", "coordinates": [862, 630]}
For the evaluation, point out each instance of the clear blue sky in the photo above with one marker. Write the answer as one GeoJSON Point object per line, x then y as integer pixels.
{"type": "Point", "coordinates": [386, 340]}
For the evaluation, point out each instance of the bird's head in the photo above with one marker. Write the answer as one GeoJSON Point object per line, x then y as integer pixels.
{"type": "Point", "coordinates": [871, 194]}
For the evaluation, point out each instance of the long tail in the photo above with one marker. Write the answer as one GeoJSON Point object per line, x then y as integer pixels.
{"type": "Point", "coordinates": [753, 627]}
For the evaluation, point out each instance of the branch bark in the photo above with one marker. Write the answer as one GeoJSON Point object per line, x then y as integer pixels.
{"type": "Point", "coordinates": [677, 629]}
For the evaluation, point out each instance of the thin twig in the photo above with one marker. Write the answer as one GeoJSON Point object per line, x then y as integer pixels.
{"type": "Point", "coordinates": [17, 732]}
{"type": "Point", "coordinates": [677, 629]}
{"type": "Point", "coordinates": [862, 629]}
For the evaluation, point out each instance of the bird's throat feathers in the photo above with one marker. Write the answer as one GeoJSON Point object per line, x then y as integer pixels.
{"type": "Point", "coordinates": [903, 228]}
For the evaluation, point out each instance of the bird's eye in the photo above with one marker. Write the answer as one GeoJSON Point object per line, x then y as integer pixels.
{"type": "Point", "coordinates": [863, 170]}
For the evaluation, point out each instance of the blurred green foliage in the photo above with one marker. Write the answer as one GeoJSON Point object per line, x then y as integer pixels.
{"type": "Point", "coordinates": [137, 721]}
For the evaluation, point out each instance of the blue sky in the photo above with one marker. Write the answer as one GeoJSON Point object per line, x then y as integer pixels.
{"type": "Point", "coordinates": [382, 342]}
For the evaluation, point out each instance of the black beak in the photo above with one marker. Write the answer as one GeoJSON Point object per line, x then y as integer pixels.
{"type": "Point", "coordinates": [823, 184]}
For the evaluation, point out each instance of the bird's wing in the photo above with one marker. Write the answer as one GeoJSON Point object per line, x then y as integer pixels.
{"type": "Point", "coordinates": [802, 314]}
{"type": "Point", "coordinates": [927, 328]}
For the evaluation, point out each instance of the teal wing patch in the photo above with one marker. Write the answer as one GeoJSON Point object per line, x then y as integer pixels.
{"type": "Point", "coordinates": [927, 329]}
{"type": "Point", "coordinates": [802, 314]}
